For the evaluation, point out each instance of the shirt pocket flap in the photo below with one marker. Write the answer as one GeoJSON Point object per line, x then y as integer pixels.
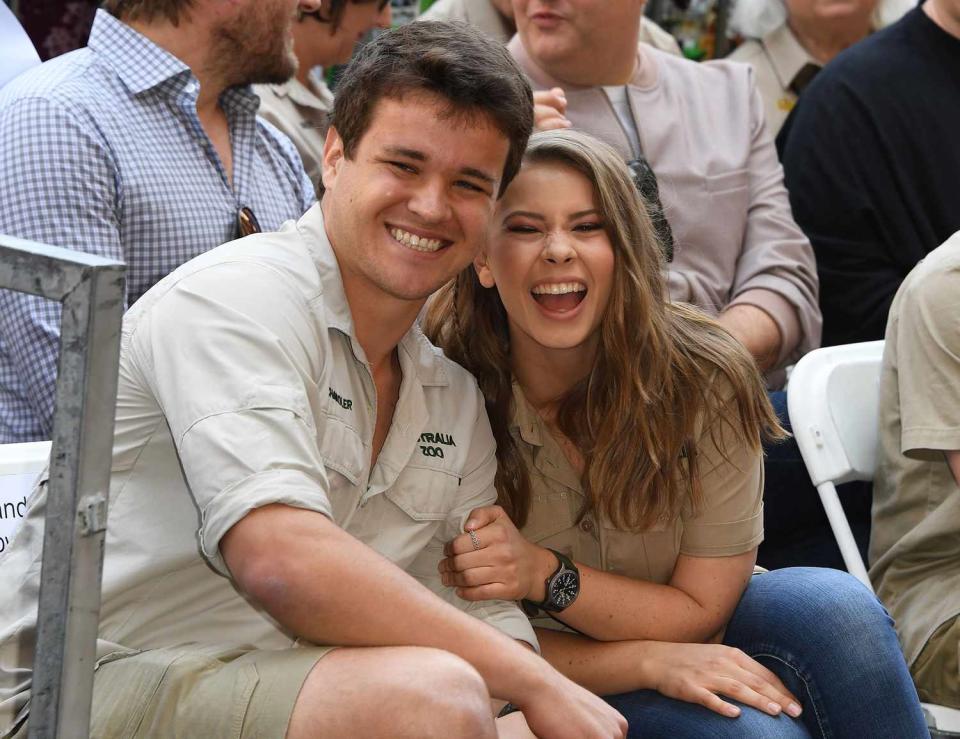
{"type": "Point", "coordinates": [424, 493]}
{"type": "Point", "coordinates": [738, 179]}
{"type": "Point", "coordinates": [552, 512]}
{"type": "Point", "coordinates": [342, 448]}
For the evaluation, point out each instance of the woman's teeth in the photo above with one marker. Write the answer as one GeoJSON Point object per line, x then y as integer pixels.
{"type": "Point", "coordinates": [415, 242]}
{"type": "Point", "coordinates": [560, 288]}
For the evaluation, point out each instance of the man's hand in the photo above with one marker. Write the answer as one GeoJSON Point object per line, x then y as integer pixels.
{"type": "Point", "coordinates": [501, 565]}
{"type": "Point", "coordinates": [701, 673]}
{"type": "Point", "coordinates": [561, 709]}
{"type": "Point", "coordinates": [549, 109]}
{"type": "Point", "coordinates": [756, 330]}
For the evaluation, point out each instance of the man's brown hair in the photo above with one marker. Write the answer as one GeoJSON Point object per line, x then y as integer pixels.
{"type": "Point", "coordinates": [474, 74]}
{"type": "Point", "coordinates": [147, 10]}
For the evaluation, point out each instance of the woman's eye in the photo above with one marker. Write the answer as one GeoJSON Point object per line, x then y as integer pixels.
{"type": "Point", "coordinates": [521, 229]}
{"type": "Point", "coordinates": [587, 227]}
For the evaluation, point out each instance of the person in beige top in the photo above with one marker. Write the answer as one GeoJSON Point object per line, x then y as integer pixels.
{"type": "Point", "coordinates": [630, 476]}
{"type": "Point", "coordinates": [291, 453]}
{"type": "Point", "coordinates": [789, 41]}
{"type": "Point", "coordinates": [915, 541]}
{"type": "Point", "coordinates": [495, 18]}
{"type": "Point", "coordinates": [301, 107]}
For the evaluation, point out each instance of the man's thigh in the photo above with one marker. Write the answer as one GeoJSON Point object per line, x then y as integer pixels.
{"type": "Point", "coordinates": [936, 671]}
{"type": "Point", "coordinates": [192, 691]}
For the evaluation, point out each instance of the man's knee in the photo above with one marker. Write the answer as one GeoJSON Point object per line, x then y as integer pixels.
{"type": "Point", "coordinates": [399, 691]}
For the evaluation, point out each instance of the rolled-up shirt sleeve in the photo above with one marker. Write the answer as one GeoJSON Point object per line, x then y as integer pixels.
{"type": "Point", "coordinates": [730, 519]}
{"type": "Point", "coordinates": [234, 378]}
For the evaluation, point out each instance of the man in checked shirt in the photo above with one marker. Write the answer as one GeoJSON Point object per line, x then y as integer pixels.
{"type": "Point", "coordinates": [143, 147]}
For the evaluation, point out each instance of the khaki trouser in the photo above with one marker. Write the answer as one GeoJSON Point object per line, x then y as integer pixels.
{"type": "Point", "coordinates": [937, 670]}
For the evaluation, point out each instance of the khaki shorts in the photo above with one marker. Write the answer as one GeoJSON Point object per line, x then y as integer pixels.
{"type": "Point", "coordinates": [937, 670]}
{"type": "Point", "coordinates": [191, 691]}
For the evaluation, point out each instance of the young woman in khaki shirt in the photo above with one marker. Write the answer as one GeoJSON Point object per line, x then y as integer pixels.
{"type": "Point", "coordinates": [629, 432]}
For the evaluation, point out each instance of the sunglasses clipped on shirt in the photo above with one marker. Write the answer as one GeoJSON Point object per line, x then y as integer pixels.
{"type": "Point", "coordinates": [247, 223]}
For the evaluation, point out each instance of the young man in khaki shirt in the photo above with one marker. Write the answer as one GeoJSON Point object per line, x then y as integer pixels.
{"type": "Point", "coordinates": [915, 542]}
{"type": "Point", "coordinates": [291, 453]}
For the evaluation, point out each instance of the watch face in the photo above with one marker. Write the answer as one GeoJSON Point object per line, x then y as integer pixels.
{"type": "Point", "coordinates": [565, 588]}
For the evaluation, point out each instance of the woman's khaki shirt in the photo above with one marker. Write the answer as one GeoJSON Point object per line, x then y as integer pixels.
{"type": "Point", "coordinates": [729, 522]}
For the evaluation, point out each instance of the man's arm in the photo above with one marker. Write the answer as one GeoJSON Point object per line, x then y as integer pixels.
{"type": "Point", "coordinates": [953, 459]}
{"type": "Point", "coordinates": [58, 188]}
{"type": "Point", "coordinates": [776, 273]}
{"type": "Point", "coordinates": [756, 330]}
{"type": "Point", "coordinates": [846, 197]}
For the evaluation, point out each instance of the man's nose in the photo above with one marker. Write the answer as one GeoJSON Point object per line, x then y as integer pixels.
{"type": "Point", "coordinates": [429, 202]}
{"type": "Point", "coordinates": [309, 6]}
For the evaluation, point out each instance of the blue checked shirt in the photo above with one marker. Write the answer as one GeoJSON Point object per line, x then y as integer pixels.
{"type": "Point", "coordinates": [101, 150]}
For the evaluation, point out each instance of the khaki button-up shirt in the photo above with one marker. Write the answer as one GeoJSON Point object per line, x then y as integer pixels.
{"type": "Point", "coordinates": [303, 114]}
{"type": "Point", "coordinates": [915, 541]}
{"type": "Point", "coordinates": [729, 522]}
{"type": "Point", "coordinates": [777, 60]}
{"type": "Point", "coordinates": [242, 384]}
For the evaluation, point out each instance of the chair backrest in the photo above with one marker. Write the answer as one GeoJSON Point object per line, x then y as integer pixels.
{"type": "Point", "coordinates": [19, 466]}
{"type": "Point", "coordinates": [833, 399]}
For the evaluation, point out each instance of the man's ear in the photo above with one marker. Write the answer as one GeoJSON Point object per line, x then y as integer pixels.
{"type": "Point", "coordinates": [333, 156]}
{"type": "Point", "coordinates": [483, 270]}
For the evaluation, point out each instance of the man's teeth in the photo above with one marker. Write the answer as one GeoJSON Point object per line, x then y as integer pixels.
{"type": "Point", "coordinates": [559, 288]}
{"type": "Point", "coordinates": [415, 242]}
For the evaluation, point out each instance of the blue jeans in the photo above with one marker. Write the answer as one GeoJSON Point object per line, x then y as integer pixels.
{"type": "Point", "coordinates": [832, 644]}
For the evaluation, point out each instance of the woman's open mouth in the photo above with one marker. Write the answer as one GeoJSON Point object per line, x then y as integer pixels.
{"type": "Point", "coordinates": [559, 297]}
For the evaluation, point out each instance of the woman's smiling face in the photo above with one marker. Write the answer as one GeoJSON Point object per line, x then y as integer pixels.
{"type": "Point", "coordinates": [550, 257]}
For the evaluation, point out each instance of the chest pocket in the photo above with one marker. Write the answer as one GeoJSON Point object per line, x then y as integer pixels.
{"type": "Point", "coordinates": [342, 449]}
{"type": "Point", "coordinates": [553, 511]}
{"type": "Point", "coordinates": [424, 493]}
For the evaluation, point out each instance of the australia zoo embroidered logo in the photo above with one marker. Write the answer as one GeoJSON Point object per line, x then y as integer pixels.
{"type": "Point", "coordinates": [431, 444]}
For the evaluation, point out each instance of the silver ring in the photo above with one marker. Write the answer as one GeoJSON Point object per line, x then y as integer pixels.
{"type": "Point", "coordinates": [475, 539]}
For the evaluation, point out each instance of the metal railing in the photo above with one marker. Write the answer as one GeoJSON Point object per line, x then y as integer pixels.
{"type": "Point", "coordinates": [90, 289]}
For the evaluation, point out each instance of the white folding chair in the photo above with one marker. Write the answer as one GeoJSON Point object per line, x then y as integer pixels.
{"type": "Point", "coordinates": [19, 466]}
{"type": "Point", "coordinates": [833, 399]}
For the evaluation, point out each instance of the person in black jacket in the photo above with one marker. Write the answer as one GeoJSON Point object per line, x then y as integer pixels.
{"type": "Point", "coordinates": [871, 158]}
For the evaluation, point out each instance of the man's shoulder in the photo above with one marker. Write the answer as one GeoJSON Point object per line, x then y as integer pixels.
{"type": "Point", "coordinates": [749, 52]}
{"type": "Point", "coordinates": [935, 281]}
{"type": "Point", "coordinates": [75, 81]}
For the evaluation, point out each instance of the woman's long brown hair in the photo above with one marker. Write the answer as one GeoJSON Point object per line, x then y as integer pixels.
{"type": "Point", "coordinates": [663, 372]}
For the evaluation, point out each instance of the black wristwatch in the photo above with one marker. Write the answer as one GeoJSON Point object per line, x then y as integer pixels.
{"type": "Point", "coordinates": [562, 587]}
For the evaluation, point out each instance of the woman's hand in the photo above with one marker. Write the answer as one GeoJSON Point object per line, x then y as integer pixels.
{"type": "Point", "coordinates": [701, 673]}
{"type": "Point", "coordinates": [496, 562]}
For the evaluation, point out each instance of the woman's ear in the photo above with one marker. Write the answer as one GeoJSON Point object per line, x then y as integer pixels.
{"type": "Point", "coordinates": [483, 271]}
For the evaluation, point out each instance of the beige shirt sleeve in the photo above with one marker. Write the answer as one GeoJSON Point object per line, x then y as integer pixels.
{"type": "Point", "coordinates": [730, 520]}
{"type": "Point", "coordinates": [232, 374]}
{"type": "Point", "coordinates": [928, 372]}
{"type": "Point", "coordinates": [475, 490]}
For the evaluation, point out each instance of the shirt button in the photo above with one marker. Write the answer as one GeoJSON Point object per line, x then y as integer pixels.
{"type": "Point", "coordinates": [586, 526]}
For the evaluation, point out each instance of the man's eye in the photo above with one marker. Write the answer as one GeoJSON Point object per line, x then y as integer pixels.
{"type": "Point", "coordinates": [472, 187]}
{"type": "Point", "coordinates": [403, 167]}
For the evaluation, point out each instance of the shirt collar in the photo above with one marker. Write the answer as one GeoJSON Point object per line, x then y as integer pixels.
{"type": "Point", "coordinates": [419, 352]}
{"type": "Point", "coordinates": [140, 63]}
{"type": "Point", "coordinates": [525, 419]}
{"type": "Point", "coordinates": [317, 96]}
{"type": "Point", "coordinates": [786, 55]}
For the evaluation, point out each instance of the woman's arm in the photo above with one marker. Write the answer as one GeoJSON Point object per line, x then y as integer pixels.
{"type": "Point", "coordinates": [693, 607]}
{"type": "Point", "coordinates": [695, 673]}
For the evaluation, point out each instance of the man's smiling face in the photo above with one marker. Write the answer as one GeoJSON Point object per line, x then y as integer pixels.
{"type": "Point", "coordinates": [411, 207]}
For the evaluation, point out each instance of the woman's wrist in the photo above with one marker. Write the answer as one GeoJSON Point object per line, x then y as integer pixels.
{"type": "Point", "coordinates": [544, 563]}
